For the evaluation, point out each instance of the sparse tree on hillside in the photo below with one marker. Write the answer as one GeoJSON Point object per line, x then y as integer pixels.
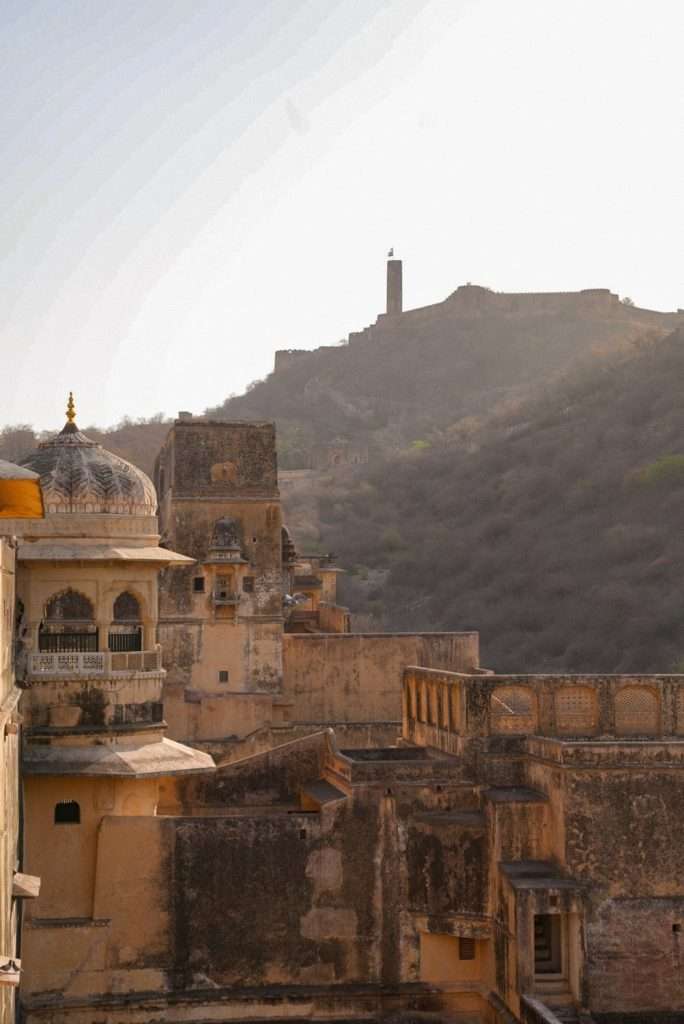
{"type": "Point", "coordinates": [16, 441]}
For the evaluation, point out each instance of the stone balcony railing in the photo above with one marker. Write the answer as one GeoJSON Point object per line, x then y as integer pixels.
{"type": "Point", "coordinates": [445, 709]}
{"type": "Point", "coordinates": [93, 663]}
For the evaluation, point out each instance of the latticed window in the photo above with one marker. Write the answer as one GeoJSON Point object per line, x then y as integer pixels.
{"type": "Point", "coordinates": [637, 711]}
{"type": "Point", "coordinates": [576, 710]}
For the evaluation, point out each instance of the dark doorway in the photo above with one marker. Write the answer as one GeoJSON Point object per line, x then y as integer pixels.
{"type": "Point", "coordinates": [547, 944]}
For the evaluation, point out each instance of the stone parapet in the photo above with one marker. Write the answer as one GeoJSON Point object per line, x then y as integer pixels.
{"type": "Point", "coordinates": [441, 709]}
{"type": "Point", "coordinates": [71, 664]}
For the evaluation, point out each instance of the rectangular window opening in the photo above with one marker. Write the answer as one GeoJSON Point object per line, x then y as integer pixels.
{"type": "Point", "coordinates": [223, 675]}
{"type": "Point", "coordinates": [466, 948]}
{"type": "Point", "coordinates": [198, 584]}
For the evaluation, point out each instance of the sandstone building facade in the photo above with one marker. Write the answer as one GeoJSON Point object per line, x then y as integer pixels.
{"type": "Point", "coordinates": [20, 497]}
{"type": "Point", "coordinates": [94, 747]}
{"type": "Point", "coordinates": [389, 830]}
{"type": "Point", "coordinates": [242, 665]}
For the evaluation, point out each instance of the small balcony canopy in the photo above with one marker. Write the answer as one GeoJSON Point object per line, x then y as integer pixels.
{"type": "Point", "coordinates": [20, 493]}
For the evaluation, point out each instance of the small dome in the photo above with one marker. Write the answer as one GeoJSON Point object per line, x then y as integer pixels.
{"type": "Point", "coordinates": [78, 475]}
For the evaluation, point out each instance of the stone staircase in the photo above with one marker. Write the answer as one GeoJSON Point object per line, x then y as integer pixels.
{"type": "Point", "coordinates": [543, 1010]}
{"type": "Point", "coordinates": [566, 1014]}
{"type": "Point", "coordinates": [570, 1014]}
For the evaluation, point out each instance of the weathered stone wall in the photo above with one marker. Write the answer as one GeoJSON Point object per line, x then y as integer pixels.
{"type": "Point", "coordinates": [333, 618]}
{"type": "Point", "coordinates": [357, 677]}
{"type": "Point", "coordinates": [271, 778]}
{"type": "Point", "coordinates": [216, 652]}
{"type": "Point", "coordinates": [249, 893]}
{"type": "Point", "coordinates": [624, 839]}
{"type": "Point", "coordinates": [599, 762]}
{"type": "Point", "coordinates": [9, 772]}
{"type": "Point", "coordinates": [121, 939]}
{"type": "Point", "coordinates": [218, 459]}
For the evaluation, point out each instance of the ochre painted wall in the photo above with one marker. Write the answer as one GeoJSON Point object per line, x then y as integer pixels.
{"type": "Point", "coordinates": [65, 855]}
{"type": "Point", "coordinates": [9, 773]}
{"type": "Point", "coordinates": [118, 945]}
{"type": "Point", "coordinates": [345, 678]}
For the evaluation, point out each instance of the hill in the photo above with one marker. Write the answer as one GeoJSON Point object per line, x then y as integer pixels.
{"type": "Point", "coordinates": [526, 478]}
{"type": "Point", "coordinates": [409, 374]}
{"type": "Point", "coordinates": [556, 531]}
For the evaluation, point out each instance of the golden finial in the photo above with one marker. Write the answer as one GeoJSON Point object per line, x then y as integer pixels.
{"type": "Point", "coordinates": [71, 408]}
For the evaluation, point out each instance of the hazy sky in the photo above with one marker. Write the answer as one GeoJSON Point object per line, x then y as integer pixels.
{"type": "Point", "coordinates": [189, 185]}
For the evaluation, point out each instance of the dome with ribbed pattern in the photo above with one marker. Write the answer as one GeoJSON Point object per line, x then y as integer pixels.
{"type": "Point", "coordinates": [78, 475]}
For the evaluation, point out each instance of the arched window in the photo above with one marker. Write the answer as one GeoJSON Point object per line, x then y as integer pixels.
{"type": "Point", "coordinates": [67, 812]}
{"type": "Point", "coordinates": [69, 623]}
{"type": "Point", "coordinates": [127, 608]}
{"type": "Point", "coordinates": [69, 606]}
{"type": "Point", "coordinates": [126, 631]}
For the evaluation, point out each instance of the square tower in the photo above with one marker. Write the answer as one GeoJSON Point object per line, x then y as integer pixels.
{"type": "Point", "coordinates": [221, 620]}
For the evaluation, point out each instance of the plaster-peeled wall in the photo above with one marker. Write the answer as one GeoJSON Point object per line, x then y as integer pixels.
{"type": "Point", "coordinates": [9, 769]}
{"type": "Point", "coordinates": [121, 942]}
{"type": "Point", "coordinates": [624, 837]}
{"type": "Point", "coordinates": [347, 678]}
{"type": "Point", "coordinates": [207, 905]}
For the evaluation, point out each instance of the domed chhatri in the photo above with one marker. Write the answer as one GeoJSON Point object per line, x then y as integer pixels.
{"type": "Point", "coordinates": [78, 475]}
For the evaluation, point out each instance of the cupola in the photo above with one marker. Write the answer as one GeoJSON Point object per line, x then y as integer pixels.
{"type": "Point", "coordinates": [79, 476]}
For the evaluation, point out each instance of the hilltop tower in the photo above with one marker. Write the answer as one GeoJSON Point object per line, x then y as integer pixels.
{"type": "Point", "coordinates": [394, 285]}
